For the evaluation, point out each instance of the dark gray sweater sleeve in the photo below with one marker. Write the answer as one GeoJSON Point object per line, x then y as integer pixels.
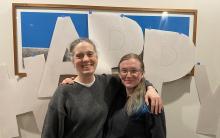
{"type": "Point", "coordinates": [54, 120]}
{"type": "Point", "coordinates": [147, 83]}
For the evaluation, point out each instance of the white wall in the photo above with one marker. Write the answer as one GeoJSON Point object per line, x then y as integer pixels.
{"type": "Point", "coordinates": [180, 97]}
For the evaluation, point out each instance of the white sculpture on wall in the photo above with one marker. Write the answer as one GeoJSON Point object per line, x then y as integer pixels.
{"type": "Point", "coordinates": [168, 54]}
{"type": "Point", "coordinates": [114, 36]}
{"type": "Point", "coordinates": [64, 33]}
{"type": "Point", "coordinates": [209, 116]}
{"type": "Point", "coordinates": [19, 97]}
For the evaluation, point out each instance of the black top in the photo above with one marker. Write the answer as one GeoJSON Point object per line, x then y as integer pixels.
{"type": "Point", "coordinates": [142, 124]}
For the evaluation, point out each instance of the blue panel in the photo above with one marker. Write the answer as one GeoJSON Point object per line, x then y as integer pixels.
{"type": "Point", "coordinates": [175, 24]}
{"type": "Point", "coordinates": [37, 28]}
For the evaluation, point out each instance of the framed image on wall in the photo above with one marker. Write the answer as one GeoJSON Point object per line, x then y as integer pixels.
{"type": "Point", "coordinates": [33, 24]}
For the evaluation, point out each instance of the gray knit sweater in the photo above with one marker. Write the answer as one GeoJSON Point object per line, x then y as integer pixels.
{"type": "Point", "coordinates": [76, 111]}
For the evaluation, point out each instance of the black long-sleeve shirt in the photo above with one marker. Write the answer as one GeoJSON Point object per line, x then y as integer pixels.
{"type": "Point", "coordinates": [143, 124]}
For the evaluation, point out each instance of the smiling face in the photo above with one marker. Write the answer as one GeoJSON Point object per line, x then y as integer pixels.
{"type": "Point", "coordinates": [130, 72]}
{"type": "Point", "coordinates": [85, 59]}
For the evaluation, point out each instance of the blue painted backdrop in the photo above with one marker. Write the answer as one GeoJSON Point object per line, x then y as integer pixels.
{"type": "Point", "coordinates": [37, 28]}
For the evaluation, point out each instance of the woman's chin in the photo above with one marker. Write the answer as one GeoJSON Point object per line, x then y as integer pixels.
{"type": "Point", "coordinates": [88, 73]}
{"type": "Point", "coordinates": [129, 86]}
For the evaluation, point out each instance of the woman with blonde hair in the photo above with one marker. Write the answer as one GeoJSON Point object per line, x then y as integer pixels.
{"type": "Point", "coordinates": [129, 115]}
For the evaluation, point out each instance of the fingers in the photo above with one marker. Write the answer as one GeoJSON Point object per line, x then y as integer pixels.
{"type": "Point", "coordinates": [160, 105]}
{"type": "Point", "coordinates": [67, 81]}
{"type": "Point", "coordinates": [154, 106]}
{"type": "Point", "coordinates": [154, 99]}
{"type": "Point", "coordinates": [146, 99]}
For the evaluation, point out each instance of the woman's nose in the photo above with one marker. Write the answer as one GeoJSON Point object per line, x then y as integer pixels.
{"type": "Point", "coordinates": [85, 58]}
{"type": "Point", "coordinates": [129, 74]}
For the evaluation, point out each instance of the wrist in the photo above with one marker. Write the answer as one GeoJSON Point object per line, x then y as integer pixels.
{"type": "Point", "coordinates": [150, 87]}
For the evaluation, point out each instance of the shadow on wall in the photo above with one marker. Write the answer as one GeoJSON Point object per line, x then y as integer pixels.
{"type": "Point", "coordinates": [175, 89]}
{"type": "Point", "coordinates": [173, 92]}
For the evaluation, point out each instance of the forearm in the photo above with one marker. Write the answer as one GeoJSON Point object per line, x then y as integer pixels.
{"type": "Point", "coordinates": [149, 86]}
{"type": "Point", "coordinates": [153, 98]}
{"type": "Point", "coordinates": [147, 83]}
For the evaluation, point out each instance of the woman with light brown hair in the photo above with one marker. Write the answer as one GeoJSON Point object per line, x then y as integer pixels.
{"type": "Point", "coordinates": [129, 115]}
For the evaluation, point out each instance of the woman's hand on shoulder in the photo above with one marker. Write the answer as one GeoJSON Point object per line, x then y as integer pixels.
{"type": "Point", "coordinates": [68, 80]}
{"type": "Point", "coordinates": [155, 100]}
